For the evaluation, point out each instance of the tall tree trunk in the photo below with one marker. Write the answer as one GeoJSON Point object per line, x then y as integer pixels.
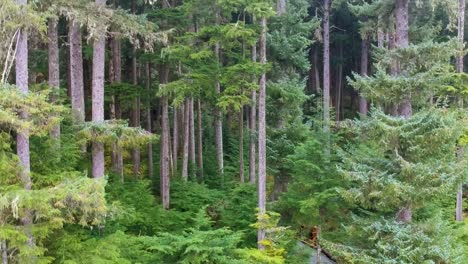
{"type": "Point", "coordinates": [253, 122]}
{"type": "Point", "coordinates": [217, 114]}
{"type": "Point", "coordinates": [339, 85]}
{"type": "Point", "coordinates": [175, 140]}
{"type": "Point", "coordinates": [219, 128]}
{"type": "Point", "coordinates": [380, 38]}
{"type": "Point", "coordinates": [185, 152]}
{"type": "Point", "coordinates": [280, 7]}
{"type": "Point", "coordinates": [99, 47]}
{"type": "Point", "coordinates": [135, 116]}
{"type": "Point", "coordinates": [402, 41]}
{"type": "Point", "coordinates": [262, 134]}
{"type": "Point", "coordinates": [192, 138]}
{"type": "Point", "coordinates": [76, 72]}
{"type": "Point", "coordinates": [241, 145]}
{"type": "Point", "coordinates": [148, 120]}
{"type": "Point", "coordinates": [316, 71]}
{"type": "Point", "coordinates": [459, 66]}
{"type": "Point", "coordinates": [54, 77]}
{"type": "Point", "coordinates": [22, 138]}
{"type": "Point", "coordinates": [459, 201]}
{"type": "Point", "coordinates": [200, 140]}
{"type": "Point", "coordinates": [116, 77]}
{"type": "Point", "coordinates": [165, 135]}
{"type": "Point", "coordinates": [326, 72]}
{"type": "Point", "coordinates": [363, 108]}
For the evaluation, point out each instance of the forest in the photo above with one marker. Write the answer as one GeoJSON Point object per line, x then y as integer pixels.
{"type": "Point", "coordinates": [233, 131]}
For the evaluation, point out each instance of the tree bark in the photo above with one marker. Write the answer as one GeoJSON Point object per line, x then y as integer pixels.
{"type": "Point", "coordinates": [253, 126]}
{"type": "Point", "coordinates": [217, 114]}
{"type": "Point", "coordinates": [116, 77]}
{"type": "Point", "coordinates": [363, 108]}
{"type": "Point", "coordinates": [76, 72]}
{"type": "Point", "coordinates": [460, 35]}
{"type": "Point", "coordinates": [326, 72]}
{"type": "Point", "coordinates": [241, 145]}
{"type": "Point", "coordinates": [192, 138]}
{"type": "Point", "coordinates": [280, 7]}
{"type": "Point", "coordinates": [98, 98]}
{"type": "Point", "coordinates": [402, 41]}
{"type": "Point", "coordinates": [316, 71]}
{"type": "Point", "coordinates": [175, 140]}
{"type": "Point", "coordinates": [459, 66]}
{"type": "Point", "coordinates": [185, 152]}
{"type": "Point", "coordinates": [339, 86]}
{"type": "Point", "coordinates": [54, 77]}
{"type": "Point", "coordinates": [262, 133]}
{"type": "Point", "coordinates": [22, 138]}
{"type": "Point", "coordinates": [135, 116]}
{"type": "Point", "coordinates": [380, 38]}
{"type": "Point", "coordinates": [200, 140]}
{"type": "Point", "coordinates": [148, 120]}
{"type": "Point", "coordinates": [459, 201]}
{"type": "Point", "coordinates": [165, 135]}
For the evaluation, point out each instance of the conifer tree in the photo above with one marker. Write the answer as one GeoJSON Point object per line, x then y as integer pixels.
{"type": "Point", "coordinates": [98, 97]}
{"type": "Point", "coordinates": [76, 84]}
{"type": "Point", "coordinates": [459, 67]}
{"type": "Point", "coordinates": [22, 138]}
{"type": "Point", "coordinates": [54, 73]}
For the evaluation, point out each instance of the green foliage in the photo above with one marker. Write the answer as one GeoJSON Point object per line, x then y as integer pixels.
{"type": "Point", "coordinates": [41, 114]}
{"type": "Point", "coordinates": [312, 198]}
{"type": "Point", "coordinates": [426, 68]}
{"type": "Point", "coordinates": [388, 241]}
{"type": "Point", "coordinates": [115, 131]}
{"type": "Point", "coordinates": [399, 157]}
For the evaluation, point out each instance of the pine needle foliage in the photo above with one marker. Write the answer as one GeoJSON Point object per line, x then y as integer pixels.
{"type": "Point", "coordinates": [396, 162]}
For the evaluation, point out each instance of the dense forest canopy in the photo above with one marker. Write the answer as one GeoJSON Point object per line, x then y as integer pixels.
{"type": "Point", "coordinates": [232, 131]}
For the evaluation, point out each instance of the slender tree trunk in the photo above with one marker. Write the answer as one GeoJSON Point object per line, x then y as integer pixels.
{"type": "Point", "coordinates": [54, 78]}
{"type": "Point", "coordinates": [402, 41]}
{"type": "Point", "coordinates": [192, 138]}
{"type": "Point", "coordinates": [363, 108]}
{"type": "Point", "coordinates": [459, 202]}
{"type": "Point", "coordinates": [135, 116]}
{"type": "Point", "coordinates": [200, 140]}
{"type": "Point", "coordinates": [339, 86]}
{"type": "Point", "coordinates": [76, 72]}
{"type": "Point", "coordinates": [99, 47]}
{"type": "Point", "coordinates": [116, 77]}
{"type": "Point", "coordinates": [253, 122]}
{"type": "Point", "coordinates": [380, 38]}
{"type": "Point", "coordinates": [280, 7]}
{"type": "Point", "coordinates": [185, 152]}
{"type": "Point", "coordinates": [459, 66]}
{"type": "Point", "coordinates": [262, 134]}
{"type": "Point", "coordinates": [22, 138]}
{"type": "Point", "coordinates": [175, 140]}
{"type": "Point", "coordinates": [217, 114]}
{"type": "Point", "coordinates": [148, 120]}
{"type": "Point", "coordinates": [316, 71]}
{"type": "Point", "coordinates": [241, 145]}
{"type": "Point", "coordinates": [219, 127]}
{"type": "Point", "coordinates": [326, 72]}
{"type": "Point", "coordinates": [165, 135]}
